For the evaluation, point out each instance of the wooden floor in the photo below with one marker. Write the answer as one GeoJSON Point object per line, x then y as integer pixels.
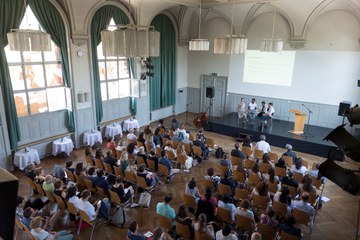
{"type": "Point", "coordinates": [336, 220]}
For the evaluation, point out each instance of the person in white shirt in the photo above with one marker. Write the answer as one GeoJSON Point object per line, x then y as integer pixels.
{"type": "Point", "coordinates": [131, 136]}
{"type": "Point", "coordinates": [252, 109]}
{"type": "Point", "coordinates": [226, 204]}
{"type": "Point", "coordinates": [242, 109]}
{"type": "Point", "coordinates": [84, 205]}
{"type": "Point", "coordinates": [226, 233]}
{"type": "Point", "coordinates": [263, 145]}
{"type": "Point", "coordinates": [298, 167]}
{"type": "Point", "coordinates": [270, 111]}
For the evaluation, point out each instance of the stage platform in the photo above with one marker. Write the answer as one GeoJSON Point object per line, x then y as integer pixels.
{"type": "Point", "coordinates": [277, 133]}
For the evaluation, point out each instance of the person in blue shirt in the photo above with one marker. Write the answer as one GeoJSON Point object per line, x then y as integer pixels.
{"type": "Point", "coordinates": [133, 233]}
{"type": "Point", "coordinates": [100, 181]}
{"type": "Point", "coordinates": [164, 209]}
{"type": "Point", "coordinates": [165, 161]}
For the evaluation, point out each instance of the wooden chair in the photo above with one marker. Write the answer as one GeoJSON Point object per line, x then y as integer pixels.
{"type": "Point", "coordinates": [120, 206]}
{"type": "Point", "coordinates": [235, 160]}
{"type": "Point", "coordinates": [118, 171]}
{"type": "Point", "coordinates": [187, 148]}
{"type": "Point", "coordinates": [164, 141]}
{"type": "Point", "coordinates": [305, 163]}
{"type": "Point", "coordinates": [298, 176]}
{"type": "Point", "coordinates": [222, 170]}
{"type": "Point", "coordinates": [208, 184]}
{"type": "Point", "coordinates": [22, 227]}
{"type": "Point", "coordinates": [151, 164]}
{"type": "Point", "coordinates": [31, 184]}
{"type": "Point", "coordinates": [85, 218]}
{"type": "Point", "coordinates": [267, 232]}
{"type": "Point", "coordinates": [274, 156]}
{"type": "Point", "coordinates": [224, 214]}
{"type": "Point", "coordinates": [59, 201]}
{"type": "Point", "coordinates": [288, 161]}
{"type": "Point", "coordinates": [281, 209]}
{"type": "Point", "coordinates": [192, 137]}
{"type": "Point", "coordinates": [130, 177]}
{"type": "Point", "coordinates": [164, 222]}
{"type": "Point", "coordinates": [249, 163]}
{"type": "Point", "coordinates": [118, 154]}
{"type": "Point", "coordinates": [301, 217]}
{"type": "Point", "coordinates": [49, 196]}
{"type": "Point", "coordinates": [79, 182]}
{"type": "Point", "coordinates": [162, 131]}
{"type": "Point", "coordinates": [292, 190]}
{"type": "Point", "coordinates": [164, 172]}
{"type": "Point", "coordinates": [246, 150]}
{"type": "Point", "coordinates": [197, 151]}
{"type": "Point", "coordinates": [201, 236]}
{"type": "Point", "coordinates": [258, 154]}
{"type": "Point", "coordinates": [100, 192]}
{"type": "Point", "coordinates": [280, 172]}
{"type": "Point", "coordinates": [99, 163]}
{"type": "Point", "coordinates": [260, 202]}
{"type": "Point", "coordinates": [108, 168]}
{"type": "Point", "coordinates": [139, 144]}
{"type": "Point", "coordinates": [158, 151]}
{"type": "Point", "coordinates": [39, 189]}
{"type": "Point", "coordinates": [181, 159]}
{"type": "Point", "coordinates": [88, 160]}
{"type": "Point", "coordinates": [70, 175]}
{"type": "Point", "coordinates": [264, 167]}
{"type": "Point", "coordinates": [317, 183]}
{"type": "Point", "coordinates": [89, 185]}
{"type": "Point", "coordinates": [141, 182]}
{"type": "Point", "coordinates": [287, 236]}
{"type": "Point", "coordinates": [312, 197]}
{"type": "Point", "coordinates": [254, 179]}
{"type": "Point", "coordinates": [241, 194]}
{"type": "Point", "coordinates": [131, 157]}
{"type": "Point", "coordinates": [183, 230]}
{"type": "Point", "coordinates": [140, 160]}
{"type": "Point", "coordinates": [175, 144]}
{"type": "Point", "coordinates": [243, 223]}
{"type": "Point", "coordinates": [171, 157]}
{"type": "Point", "coordinates": [224, 189]}
{"type": "Point", "coordinates": [239, 176]}
{"type": "Point", "coordinates": [273, 187]}
{"type": "Point", "coordinates": [189, 201]}
{"type": "Point", "coordinates": [210, 142]}
{"type": "Point", "coordinates": [72, 209]}
{"type": "Point", "coordinates": [313, 166]}
{"type": "Point", "coordinates": [148, 147]}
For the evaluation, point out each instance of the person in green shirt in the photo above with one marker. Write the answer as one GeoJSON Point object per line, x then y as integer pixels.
{"type": "Point", "coordinates": [48, 184]}
{"type": "Point", "coordinates": [164, 209]}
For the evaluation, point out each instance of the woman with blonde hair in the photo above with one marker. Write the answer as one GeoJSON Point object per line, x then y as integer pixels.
{"type": "Point", "coordinates": [41, 234]}
{"type": "Point", "coordinates": [189, 161]}
{"type": "Point", "coordinates": [204, 228]}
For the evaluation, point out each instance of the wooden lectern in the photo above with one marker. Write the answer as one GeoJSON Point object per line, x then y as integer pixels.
{"type": "Point", "coordinates": [299, 122]}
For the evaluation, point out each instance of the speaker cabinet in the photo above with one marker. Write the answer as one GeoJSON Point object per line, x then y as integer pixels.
{"type": "Point", "coordinates": [210, 92]}
{"type": "Point", "coordinates": [8, 188]}
{"type": "Point", "coordinates": [343, 106]}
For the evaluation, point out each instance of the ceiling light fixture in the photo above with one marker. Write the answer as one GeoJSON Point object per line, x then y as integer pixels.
{"type": "Point", "coordinates": [271, 44]}
{"type": "Point", "coordinates": [199, 44]}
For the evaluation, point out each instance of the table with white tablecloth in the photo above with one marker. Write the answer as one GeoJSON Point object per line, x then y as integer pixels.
{"type": "Point", "coordinates": [62, 145]}
{"type": "Point", "coordinates": [91, 137]}
{"type": "Point", "coordinates": [23, 158]}
{"type": "Point", "coordinates": [131, 123]}
{"type": "Point", "coordinates": [113, 130]}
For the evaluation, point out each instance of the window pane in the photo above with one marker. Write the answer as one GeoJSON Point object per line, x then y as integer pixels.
{"type": "Point", "coordinates": [123, 69]}
{"type": "Point", "coordinates": [17, 80]}
{"type": "Point", "coordinates": [111, 70]}
{"type": "Point", "coordinates": [53, 55]}
{"type": "Point", "coordinates": [102, 71]}
{"type": "Point", "coordinates": [38, 102]}
{"type": "Point", "coordinates": [21, 104]}
{"type": "Point", "coordinates": [12, 56]}
{"type": "Point", "coordinates": [124, 88]}
{"type": "Point", "coordinates": [100, 52]}
{"type": "Point", "coordinates": [53, 75]}
{"type": "Point", "coordinates": [34, 76]}
{"type": "Point", "coordinates": [32, 56]}
{"type": "Point", "coordinates": [103, 91]}
{"type": "Point", "coordinates": [56, 98]}
{"type": "Point", "coordinates": [113, 88]}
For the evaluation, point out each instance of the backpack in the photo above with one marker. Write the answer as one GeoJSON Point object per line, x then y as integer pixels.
{"type": "Point", "coordinates": [219, 152]}
{"type": "Point", "coordinates": [120, 217]}
{"type": "Point", "coordinates": [145, 199]}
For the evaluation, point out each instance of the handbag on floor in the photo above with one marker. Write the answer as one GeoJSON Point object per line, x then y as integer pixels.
{"type": "Point", "coordinates": [120, 217]}
{"type": "Point", "coordinates": [145, 199]}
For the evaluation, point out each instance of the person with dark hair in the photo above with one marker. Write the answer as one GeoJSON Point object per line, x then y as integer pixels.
{"type": "Point", "coordinates": [153, 157]}
{"type": "Point", "coordinates": [183, 218]}
{"type": "Point", "coordinates": [306, 184]}
{"type": "Point", "coordinates": [99, 154]}
{"type": "Point", "coordinates": [261, 190]}
{"type": "Point", "coordinates": [244, 210]}
{"type": "Point", "coordinates": [280, 163]}
{"type": "Point", "coordinates": [289, 227]}
{"type": "Point", "coordinates": [247, 142]}
{"type": "Point", "coordinates": [124, 194]}
{"type": "Point", "coordinates": [68, 166]}
{"type": "Point", "coordinates": [227, 204]}
{"type": "Point", "coordinates": [228, 181]}
{"type": "Point", "coordinates": [210, 176]}
{"type": "Point", "coordinates": [266, 158]}
{"type": "Point", "coordinates": [289, 152]}
{"type": "Point", "coordinates": [151, 178]}
{"type": "Point", "coordinates": [237, 152]}
{"type": "Point", "coordinates": [100, 211]}
{"type": "Point", "coordinates": [101, 182]}
{"type": "Point", "coordinates": [142, 155]}
{"type": "Point", "coordinates": [226, 233]}
{"type": "Point", "coordinates": [192, 190]}
{"type": "Point", "coordinates": [29, 171]}
{"type": "Point", "coordinates": [165, 161]}
{"type": "Point", "coordinates": [252, 107]}
{"type": "Point", "coordinates": [270, 111]}
{"type": "Point", "coordinates": [157, 138]}
{"type": "Point", "coordinates": [89, 154]}
{"type": "Point", "coordinates": [59, 188]}
{"type": "Point", "coordinates": [133, 233]}
{"type": "Point", "coordinates": [27, 216]}
{"type": "Point", "coordinates": [207, 205]}
{"type": "Point", "coordinates": [141, 139]}
{"type": "Point", "coordinates": [41, 234]}
{"type": "Point", "coordinates": [304, 205]}
{"type": "Point", "coordinates": [289, 180]}
{"type": "Point", "coordinates": [164, 209]}
{"type": "Point", "coordinates": [147, 131]}
{"type": "Point", "coordinates": [109, 159]}
{"type": "Point", "coordinates": [271, 178]}
{"type": "Point", "coordinates": [269, 218]}
{"type": "Point", "coordinates": [298, 166]}
{"type": "Point", "coordinates": [79, 169]}
{"type": "Point", "coordinates": [131, 148]}
{"type": "Point", "coordinates": [226, 162]}
{"type": "Point", "coordinates": [284, 196]}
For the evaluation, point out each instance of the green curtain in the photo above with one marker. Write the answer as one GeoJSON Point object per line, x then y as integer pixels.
{"type": "Point", "coordinates": [102, 18]}
{"type": "Point", "coordinates": [162, 84]}
{"type": "Point", "coordinates": [50, 19]}
{"type": "Point", "coordinates": [11, 14]}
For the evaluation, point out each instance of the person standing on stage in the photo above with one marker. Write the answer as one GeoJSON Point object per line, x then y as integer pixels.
{"type": "Point", "coordinates": [242, 109]}
{"type": "Point", "coordinates": [268, 114]}
{"type": "Point", "coordinates": [252, 109]}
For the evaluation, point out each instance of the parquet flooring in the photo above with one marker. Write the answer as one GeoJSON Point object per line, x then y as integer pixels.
{"type": "Point", "coordinates": [336, 220]}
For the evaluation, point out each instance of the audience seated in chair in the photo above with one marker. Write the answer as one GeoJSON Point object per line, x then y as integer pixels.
{"type": "Point", "coordinates": [207, 205]}
{"type": "Point", "coordinates": [263, 145]}
{"type": "Point", "coordinates": [237, 152]}
{"type": "Point", "coordinates": [164, 209]}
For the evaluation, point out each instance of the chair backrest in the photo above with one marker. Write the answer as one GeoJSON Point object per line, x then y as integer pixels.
{"type": "Point", "coordinates": [305, 163]}
{"type": "Point", "coordinates": [208, 184]}
{"type": "Point", "coordinates": [260, 201]}
{"type": "Point", "coordinates": [189, 201]}
{"type": "Point", "coordinates": [246, 150]}
{"type": "Point", "coordinates": [118, 171]}
{"type": "Point", "coordinates": [118, 154]}
{"type": "Point", "coordinates": [224, 214]}
{"type": "Point", "coordinates": [71, 208]}
{"type": "Point", "coordinates": [280, 172]}
{"type": "Point", "coordinates": [224, 189]}
{"type": "Point", "coordinates": [114, 197]}
{"type": "Point", "coordinates": [222, 169]}
{"type": "Point", "coordinates": [280, 209]}
{"type": "Point", "coordinates": [197, 151]}
{"type": "Point", "coordinates": [24, 228]}
{"type": "Point", "coordinates": [141, 182]}
{"type": "Point", "coordinates": [164, 141]}
{"type": "Point", "coordinates": [162, 131]}
{"type": "Point", "coordinates": [183, 230]}
{"type": "Point", "coordinates": [301, 216]}
{"type": "Point", "coordinates": [108, 168]}
{"type": "Point", "coordinates": [70, 175]}
{"type": "Point", "coordinates": [85, 217]}
{"type": "Point", "coordinates": [192, 137]}
{"type": "Point", "coordinates": [187, 148]}
{"type": "Point", "coordinates": [158, 151]}
{"type": "Point", "coordinates": [264, 167]}
{"type": "Point", "coordinates": [30, 183]}
{"type": "Point", "coordinates": [243, 223]}
{"type": "Point", "coordinates": [79, 180]}
{"type": "Point", "coordinates": [181, 159]}
{"type": "Point", "coordinates": [99, 163]}
{"type": "Point", "coordinates": [89, 185]}
{"type": "Point", "coordinates": [239, 176]}
{"type": "Point", "coordinates": [171, 155]}
{"type": "Point", "coordinates": [273, 187]}
{"type": "Point", "coordinates": [129, 176]}
{"type": "Point", "coordinates": [148, 147]}
{"type": "Point", "coordinates": [140, 160]}
{"type": "Point", "coordinates": [249, 163]}
{"type": "Point", "coordinates": [258, 154]}
{"type": "Point", "coordinates": [89, 161]}
{"type": "Point", "coordinates": [287, 236]}
{"type": "Point", "coordinates": [50, 196]}
{"type": "Point", "coordinates": [201, 236]}
{"type": "Point", "coordinates": [100, 191]}
{"type": "Point", "coordinates": [175, 144]}
{"type": "Point", "coordinates": [39, 189]}
{"type": "Point", "coordinates": [288, 161]}
{"type": "Point", "coordinates": [164, 222]}
{"type": "Point", "coordinates": [298, 176]}
{"type": "Point", "coordinates": [139, 144]}
{"type": "Point", "coordinates": [317, 182]}
{"type": "Point", "coordinates": [254, 179]}
{"type": "Point", "coordinates": [267, 232]}
{"type": "Point", "coordinates": [292, 190]}
{"type": "Point", "coordinates": [274, 156]}
{"type": "Point", "coordinates": [235, 160]}
{"type": "Point", "coordinates": [131, 157]}
{"type": "Point", "coordinates": [151, 164]}
{"type": "Point", "coordinates": [241, 194]}
{"type": "Point", "coordinates": [60, 201]}
{"type": "Point", "coordinates": [163, 170]}
{"type": "Point", "coordinates": [210, 142]}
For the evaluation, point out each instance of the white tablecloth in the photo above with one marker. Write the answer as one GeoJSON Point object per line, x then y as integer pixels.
{"type": "Point", "coordinates": [113, 130]}
{"type": "Point", "coordinates": [62, 145]}
{"type": "Point", "coordinates": [131, 123]}
{"type": "Point", "coordinates": [22, 158]}
{"type": "Point", "coordinates": [92, 137]}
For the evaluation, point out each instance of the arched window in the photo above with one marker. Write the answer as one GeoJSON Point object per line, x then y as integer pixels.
{"type": "Point", "coordinates": [36, 77]}
{"type": "Point", "coordinates": [114, 74]}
